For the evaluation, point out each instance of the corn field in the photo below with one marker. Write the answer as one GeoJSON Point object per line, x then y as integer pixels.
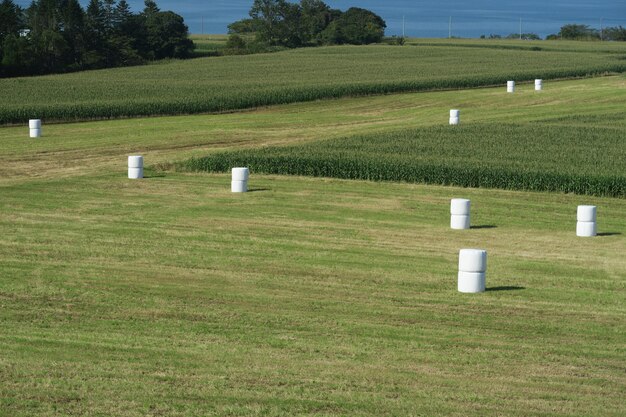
{"type": "Point", "coordinates": [239, 82]}
{"type": "Point", "coordinates": [542, 157]}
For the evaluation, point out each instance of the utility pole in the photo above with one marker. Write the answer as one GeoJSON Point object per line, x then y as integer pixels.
{"type": "Point", "coordinates": [450, 28]}
{"type": "Point", "coordinates": [403, 26]}
{"type": "Point", "coordinates": [601, 29]}
{"type": "Point", "coordinates": [520, 28]}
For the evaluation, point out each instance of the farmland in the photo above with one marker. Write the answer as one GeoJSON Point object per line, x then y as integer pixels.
{"type": "Point", "coordinates": [172, 296]}
{"type": "Point", "coordinates": [588, 159]}
{"type": "Point", "coordinates": [208, 45]}
{"type": "Point", "coordinates": [314, 296]}
{"type": "Point", "coordinates": [239, 82]}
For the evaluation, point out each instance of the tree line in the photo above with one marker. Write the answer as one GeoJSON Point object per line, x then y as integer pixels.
{"type": "Point", "coordinates": [585, 32]}
{"type": "Point", "coordinates": [572, 32]}
{"type": "Point", "coordinates": [279, 23]}
{"type": "Point", "coordinates": [53, 36]}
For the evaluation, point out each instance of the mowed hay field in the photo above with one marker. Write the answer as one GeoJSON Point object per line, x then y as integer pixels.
{"type": "Point", "coordinates": [237, 82]}
{"type": "Point", "coordinates": [172, 296]}
{"type": "Point", "coordinates": [307, 296]}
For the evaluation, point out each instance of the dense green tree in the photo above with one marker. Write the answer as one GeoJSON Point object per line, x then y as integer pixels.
{"type": "Point", "coordinates": [316, 16]}
{"type": "Point", "coordinates": [574, 31]}
{"type": "Point", "coordinates": [168, 36]}
{"type": "Point", "coordinates": [11, 22]}
{"type": "Point", "coordinates": [267, 14]}
{"type": "Point", "coordinates": [244, 26]}
{"type": "Point", "coordinates": [96, 33]}
{"type": "Point", "coordinates": [311, 22]}
{"type": "Point", "coordinates": [356, 26]}
{"type": "Point", "coordinates": [150, 7]}
{"type": "Point", "coordinates": [122, 14]}
{"type": "Point", "coordinates": [289, 30]}
{"type": "Point", "coordinates": [614, 34]}
{"type": "Point", "coordinates": [64, 37]}
{"type": "Point", "coordinates": [17, 56]}
{"type": "Point", "coordinates": [48, 45]}
{"type": "Point", "coordinates": [11, 19]}
{"type": "Point", "coordinates": [73, 25]}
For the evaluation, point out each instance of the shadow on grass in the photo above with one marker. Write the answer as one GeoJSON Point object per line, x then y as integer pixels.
{"type": "Point", "coordinates": [256, 190]}
{"type": "Point", "coordinates": [484, 226]}
{"type": "Point", "coordinates": [154, 175]}
{"type": "Point", "coordinates": [609, 234]}
{"type": "Point", "coordinates": [505, 288]}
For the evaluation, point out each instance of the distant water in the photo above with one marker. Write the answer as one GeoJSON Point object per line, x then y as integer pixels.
{"type": "Point", "coordinates": [425, 18]}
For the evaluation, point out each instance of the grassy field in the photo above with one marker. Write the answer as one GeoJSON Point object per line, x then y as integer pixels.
{"type": "Point", "coordinates": [236, 82]}
{"type": "Point", "coordinates": [171, 296]}
{"type": "Point", "coordinates": [307, 296]}
{"type": "Point", "coordinates": [208, 45]}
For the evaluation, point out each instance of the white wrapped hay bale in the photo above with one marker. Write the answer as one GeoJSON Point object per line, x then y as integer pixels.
{"type": "Point", "coordinates": [472, 270]}
{"type": "Point", "coordinates": [510, 86]}
{"type": "Point", "coordinates": [473, 260]}
{"type": "Point", "coordinates": [239, 186]}
{"type": "Point", "coordinates": [586, 214]}
{"type": "Point", "coordinates": [586, 225]}
{"type": "Point", "coordinates": [459, 222]}
{"type": "Point", "coordinates": [459, 214]}
{"type": "Point", "coordinates": [240, 174]}
{"type": "Point", "coordinates": [472, 282]}
{"type": "Point", "coordinates": [538, 85]}
{"type": "Point", "coordinates": [35, 128]}
{"type": "Point", "coordinates": [239, 182]}
{"type": "Point", "coordinates": [455, 117]}
{"type": "Point", "coordinates": [135, 167]}
{"type": "Point", "coordinates": [586, 229]}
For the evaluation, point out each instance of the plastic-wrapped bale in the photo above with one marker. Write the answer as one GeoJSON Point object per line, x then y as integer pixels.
{"type": "Point", "coordinates": [455, 117]}
{"type": "Point", "coordinates": [35, 128]}
{"type": "Point", "coordinates": [586, 225]}
{"type": "Point", "coordinates": [538, 85]}
{"type": "Point", "coordinates": [239, 186]}
{"type": "Point", "coordinates": [239, 181]}
{"type": "Point", "coordinates": [459, 214]}
{"type": "Point", "coordinates": [135, 167]}
{"type": "Point", "coordinates": [472, 270]}
{"type": "Point", "coordinates": [510, 86]}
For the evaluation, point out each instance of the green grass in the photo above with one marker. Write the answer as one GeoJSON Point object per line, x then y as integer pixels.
{"type": "Point", "coordinates": [171, 296]}
{"type": "Point", "coordinates": [556, 156]}
{"type": "Point", "coordinates": [238, 82]}
{"type": "Point", "coordinates": [308, 296]}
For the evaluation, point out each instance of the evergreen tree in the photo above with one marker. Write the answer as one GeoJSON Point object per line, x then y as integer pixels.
{"type": "Point", "coordinates": [108, 8]}
{"type": "Point", "coordinates": [48, 44]}
{"type": "Point", "coordinates": [64, 37]}
{"type": "Point", "coordinates": [150, 7]}
{"type": "Point", "coordinates": [73, 23]}
{"type": "Point", "coordinates": [11, 19]}
{"type": "Point", "coordinates": [122, 14]}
